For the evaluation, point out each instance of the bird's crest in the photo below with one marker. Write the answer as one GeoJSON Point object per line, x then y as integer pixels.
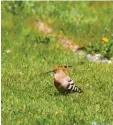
{"type": "Point", "coordinates": [58, 68]}
{"type": "Point", "coordinates": [62, 67]}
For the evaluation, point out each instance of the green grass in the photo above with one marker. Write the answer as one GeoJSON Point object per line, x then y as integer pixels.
{"type": "Point", "coordinates": [29, 98]}
{"type": "Point", "coordinates": [83, 22]}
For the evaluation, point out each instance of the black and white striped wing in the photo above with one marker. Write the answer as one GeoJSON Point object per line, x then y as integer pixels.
{"type": "Point", "coordinates": [71, 86]}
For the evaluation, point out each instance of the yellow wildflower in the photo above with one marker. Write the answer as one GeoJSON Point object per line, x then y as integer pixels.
{"type": "Point", "coordinates": [105, 39]}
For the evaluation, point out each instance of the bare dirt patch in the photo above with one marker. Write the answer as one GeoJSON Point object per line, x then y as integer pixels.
{"type": "Point", "coordinates": [67, 43]}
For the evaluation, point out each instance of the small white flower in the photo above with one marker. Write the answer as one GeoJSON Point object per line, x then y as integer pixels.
{"type": "Point", "coordinates": [94, 123]}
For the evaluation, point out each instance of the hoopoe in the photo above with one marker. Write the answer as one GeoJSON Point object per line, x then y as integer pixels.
{"type": "Point", "coordinates": [63, 82]}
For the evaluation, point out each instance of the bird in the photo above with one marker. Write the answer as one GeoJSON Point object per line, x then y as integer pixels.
{"type": "Point", "coordinates": [62, 82]}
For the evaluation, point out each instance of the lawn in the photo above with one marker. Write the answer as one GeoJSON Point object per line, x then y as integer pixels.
{"type": "Point", "coordinates": [29, 98]}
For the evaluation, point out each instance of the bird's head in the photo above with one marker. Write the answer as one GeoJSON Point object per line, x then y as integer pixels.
{"type": "Point", "coordinates": [59, 68]}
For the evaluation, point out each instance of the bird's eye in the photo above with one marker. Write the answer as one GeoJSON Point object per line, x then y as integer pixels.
{"type": "Point", "coordinates": [55, 70]}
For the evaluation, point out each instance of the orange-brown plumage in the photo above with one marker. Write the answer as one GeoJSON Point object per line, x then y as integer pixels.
{"type": "Point", "coordinates": [63, 82]}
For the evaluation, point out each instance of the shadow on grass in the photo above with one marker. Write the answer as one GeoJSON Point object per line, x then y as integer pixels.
{"type": "Point", "coordinates": [66, 93]}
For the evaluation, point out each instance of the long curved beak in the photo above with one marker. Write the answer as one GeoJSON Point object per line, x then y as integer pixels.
{"type": "Point", "coordinates": [48, 72]}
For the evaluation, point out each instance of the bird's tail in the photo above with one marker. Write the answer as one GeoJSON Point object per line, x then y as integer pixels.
{"type": "Point", "coordinates": [74, 88]}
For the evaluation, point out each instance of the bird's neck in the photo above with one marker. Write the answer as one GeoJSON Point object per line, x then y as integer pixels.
{"type": "Point", "coordinates": [59, 74]}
